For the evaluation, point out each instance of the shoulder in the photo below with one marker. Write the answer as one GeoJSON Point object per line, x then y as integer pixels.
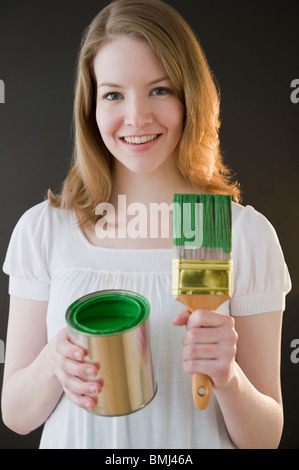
{"type": "Point", "coordinates": [251, 226]}
{"type": "Point", "coordinates": [43, 219]}
{"type": "Point", "coordinates": [247, 215]}
{"type": "Point", "coordinates": [260, 275]}
{"type": "Point", "coordinates": [42, 211]}
{"type": "Point", "coordinates": [41, 228]}
{"type": "Point", "coordinates": [30, 251]}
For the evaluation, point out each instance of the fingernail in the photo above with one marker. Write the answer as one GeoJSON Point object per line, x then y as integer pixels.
{"type": "Point", "coordinates": [93, 388]}
{"type": "Point", "coordinates": [90, 371]}
{"type": "Point", "coordinates": [77, 355]}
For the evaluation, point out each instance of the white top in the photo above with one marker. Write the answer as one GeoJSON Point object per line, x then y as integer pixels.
{"type": "Point", "coordinates": [50, 259]}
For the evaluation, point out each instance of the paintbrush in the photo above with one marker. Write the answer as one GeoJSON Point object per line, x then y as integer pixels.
{"type": "Point", "coordinates": [202, 262]}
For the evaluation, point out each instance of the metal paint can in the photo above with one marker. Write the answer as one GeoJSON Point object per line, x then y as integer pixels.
{"type": "Point", "coordinates": [113, 325]}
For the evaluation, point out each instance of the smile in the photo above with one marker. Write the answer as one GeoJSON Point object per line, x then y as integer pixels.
{"type": "Point", "coordinates": [140, 139]}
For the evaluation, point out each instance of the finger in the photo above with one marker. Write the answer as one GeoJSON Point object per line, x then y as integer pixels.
{"type": "Point", "coordinates": [224, 334]}
{"type": "Point", "coordinates": [201, 335]}
{"type": "Point", "coordinates": [205, 318]}
{"type": "Point", "coordinates": [213, 368]}
{"type": "Point", "coordinates": [84, 370]}
{"type": "Point", "coordinates": [201, 366]}
{"type": "Point", "coordinates": [181, 318]}
{"type": "Point", "coordinates": [78, 386]}
{"type": "Point", "coordinates": [67, 348]}
{"type": "Point", "coordinates": [200, 351]}
{"type": "Point", "coordinates": [85, 402]}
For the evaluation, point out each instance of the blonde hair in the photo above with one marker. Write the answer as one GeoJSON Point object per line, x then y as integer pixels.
{"type": "Point", "coordinates": [199, 159]}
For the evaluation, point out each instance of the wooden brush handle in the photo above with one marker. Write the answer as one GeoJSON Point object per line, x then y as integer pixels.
{"type": "Point", "coordinates": [202, 384]}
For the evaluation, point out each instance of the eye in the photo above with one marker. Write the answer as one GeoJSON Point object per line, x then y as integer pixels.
{"type": "Point", "coordinates": [112, 96]}
{"type": "Point", "coordinates": [161, 91]}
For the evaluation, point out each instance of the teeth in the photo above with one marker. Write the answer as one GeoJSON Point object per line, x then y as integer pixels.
{"type": "Point", "coordinates": [140, 140]}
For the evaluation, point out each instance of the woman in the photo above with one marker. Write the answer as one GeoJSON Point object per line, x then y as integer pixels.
{"type": "Point", "coordinates": [146, 127]}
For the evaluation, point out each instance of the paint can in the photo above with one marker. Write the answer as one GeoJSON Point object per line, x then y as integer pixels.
{"type": "Point", "coordinates": [113, 325]}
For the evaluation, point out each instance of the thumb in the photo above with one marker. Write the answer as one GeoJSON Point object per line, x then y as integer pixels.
{"type": "Point", "coordinates": [181, 318]}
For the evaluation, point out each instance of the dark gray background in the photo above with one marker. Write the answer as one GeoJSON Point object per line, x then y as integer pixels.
{"type": "Point", "coordinates": [253, 49]}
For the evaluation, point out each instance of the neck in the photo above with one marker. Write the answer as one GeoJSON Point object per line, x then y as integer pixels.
{"type": "Point", "coordinates": [156, 187]}
{"type": "Point", "coordinates": [141, 214]}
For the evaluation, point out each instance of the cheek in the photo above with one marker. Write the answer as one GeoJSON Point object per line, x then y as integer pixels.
{"type": "Point", "coordinates": [107, 123]}
{"type": "Point", "coordinates": [174, 117]}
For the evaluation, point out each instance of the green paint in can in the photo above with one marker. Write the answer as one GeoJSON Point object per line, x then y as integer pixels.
{"type": "Point", "coordinates": [108, 312]}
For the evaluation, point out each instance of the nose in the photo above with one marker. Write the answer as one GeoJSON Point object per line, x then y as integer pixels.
{"type": "Point", "coordinates": [138, 112]}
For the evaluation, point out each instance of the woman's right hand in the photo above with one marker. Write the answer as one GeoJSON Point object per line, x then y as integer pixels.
{"type": "Point", "coordinates": [77, 375]}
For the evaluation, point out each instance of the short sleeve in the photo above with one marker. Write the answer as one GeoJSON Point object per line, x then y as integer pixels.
{"type": "Point", "coordinates": [260, 275]}
{"type": "Point", "coordinates": [27, 257]}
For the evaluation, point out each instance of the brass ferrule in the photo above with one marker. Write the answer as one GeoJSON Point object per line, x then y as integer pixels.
{"type": "Point", "coordinates": [209, 277]}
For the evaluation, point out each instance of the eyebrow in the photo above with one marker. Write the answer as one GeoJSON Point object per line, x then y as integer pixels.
{"type": "Point", "coordinates": [115, 85]}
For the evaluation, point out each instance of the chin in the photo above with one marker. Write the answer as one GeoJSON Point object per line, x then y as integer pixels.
{"type": "Point", "coordinates": [144, 171]}
{"type": "Point", "coordinates": [146, 168]}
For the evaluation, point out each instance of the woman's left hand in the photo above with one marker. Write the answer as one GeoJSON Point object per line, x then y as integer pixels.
{"type": "Point", "coordinates": [209, 344]}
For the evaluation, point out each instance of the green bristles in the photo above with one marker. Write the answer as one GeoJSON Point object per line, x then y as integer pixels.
{"type": "Point", "coordinates": [202, 221]}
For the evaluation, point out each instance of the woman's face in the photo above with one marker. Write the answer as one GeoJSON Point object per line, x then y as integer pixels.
{"type": "Point", "coordinates": [138, 115]}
